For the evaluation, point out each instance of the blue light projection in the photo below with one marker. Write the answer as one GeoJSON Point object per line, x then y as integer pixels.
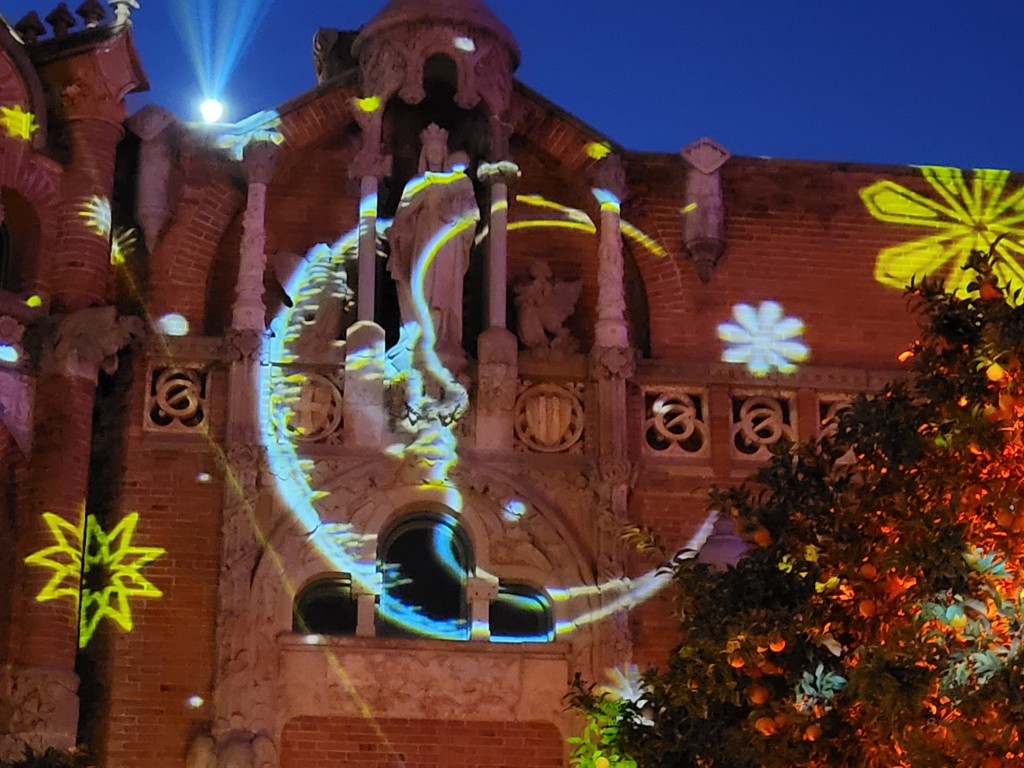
{"type": "Point", "coordinates": [433, 402]}
{"type": "Point", "coordinates": [215, 34]}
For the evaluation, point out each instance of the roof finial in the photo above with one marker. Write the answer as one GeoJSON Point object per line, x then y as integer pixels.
{"type": "Point", "coordinates": [123, 10]}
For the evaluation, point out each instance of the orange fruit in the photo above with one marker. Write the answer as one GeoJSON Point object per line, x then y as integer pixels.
{"type": "Point", "coordinates": [777, 645]}
{"type": "Point", "coordinates": [813, 732]}
{"type": "Point", "coordinates": [867, 608]}
{"type": "Point", "coordinates": [762, 537]}
{"type": "Point", "coordinates": [868, 571]}
{"type": "Point", "coordinates": [995, 372]}
{"type": "Point", "coordinates": [988, 292]}
{"type": "Point", "coordinates": [758, 694]}
{"type": "Point", "coordinates": [765, 725]}
{"type": "Point", "coordinates": [736, 662]}
{"type": "Point", "coordinates": [602, 762]}
{"type": "Point", "coordinates": [1004, 518]}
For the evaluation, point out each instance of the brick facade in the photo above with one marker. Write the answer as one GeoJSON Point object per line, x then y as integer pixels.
{"type": "Point", "coordinates": [178, 434]}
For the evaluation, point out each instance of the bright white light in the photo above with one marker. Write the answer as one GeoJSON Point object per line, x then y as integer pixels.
{"type": "Point", "coordinates": [212, 110]}
{"type": "Point", "coordinates": [464, 44]}
{"type": "Point", "coordinates": [173, 324]}
{"type": "Point", "coordinates": [8, 354]}
{"type": "Point", "coordinates": [203, 477]}
{"type": "Point", "coordinates": [195, 702]}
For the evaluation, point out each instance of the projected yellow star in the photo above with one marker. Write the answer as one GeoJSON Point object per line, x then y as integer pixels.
{"type": "Point", "coordinates": [115, 565]}
{"type": "Point", "coordinates": [968, 215]}
{"type": "Point", "coordinates": [64, 558]}
{"type": "Point", "coordinates": [111, 571]}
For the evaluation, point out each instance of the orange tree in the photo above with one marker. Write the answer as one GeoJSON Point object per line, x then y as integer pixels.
{"type": "Point", "coordinates": [877, 619]}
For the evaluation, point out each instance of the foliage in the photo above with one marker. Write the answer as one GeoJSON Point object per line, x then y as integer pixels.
{"type": "Point", "coordinates": [599, 746]}
{"type": "Point", "coordinates": [51, 758]}
{"type": "Point", "coordinates": [878, 619]}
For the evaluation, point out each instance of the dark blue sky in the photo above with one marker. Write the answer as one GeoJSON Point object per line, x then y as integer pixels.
{"type": "Point", "coordinates": [886, 81]}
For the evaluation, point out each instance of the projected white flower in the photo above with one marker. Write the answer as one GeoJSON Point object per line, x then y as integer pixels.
{"type": "Point", "coordinates": [763, 339]}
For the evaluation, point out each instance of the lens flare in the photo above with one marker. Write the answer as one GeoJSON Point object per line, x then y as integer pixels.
{"type": "Point", "coordinates": [211, 110]}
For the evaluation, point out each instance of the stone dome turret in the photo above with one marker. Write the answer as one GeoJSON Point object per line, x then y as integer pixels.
{"type": "Point", "coordinates": [472, 15]}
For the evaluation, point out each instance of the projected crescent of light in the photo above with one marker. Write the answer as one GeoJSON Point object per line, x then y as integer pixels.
{"type": "Point", "coordinates": [433, 397]}
{"type": "Point", "coordinates": [964, 216]}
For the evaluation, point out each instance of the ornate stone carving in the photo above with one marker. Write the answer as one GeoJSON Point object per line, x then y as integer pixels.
{"type": "Point", "coordinates": [830, 410]}
{"type": "Point", "coordinates": [675, 423]}
{"type": "Point", "coordinates": [156, 160]}
{"type": "Point", "coordinates": [704, 212]}
{"type": "Point", "coordinates": [542, 306]}
{"type": "Point", "coordinates": [177, 398]}
{"type": "Point", "coordinates": [612, 363]}
{"type": "Point", "coordinates": [317, 412]}
{"type": "Point", "coordinates": [395, 46]}
{"type": "Point", "coordinates": [38, 709]}
{"type": "Point", "coordinates": [242, 346]}
{"type": "Point", "coordinates": [88, 341]}
{"type": "Point", "coordinates": [17, 396]}
{"type": "Point", "coordinates": [549, 417]}
{"type": "Point", "coordinates": [759, 422]}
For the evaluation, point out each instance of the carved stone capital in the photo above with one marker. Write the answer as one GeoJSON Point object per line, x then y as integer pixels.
{"type": "Point", "coordinates": [88, 341]}
{"type": "Point", "coordinates": [260, 159]}
{"type": "Point", "coordinates": [370, 164]}
{"type": "Point", "coordinates": [612, 363]}
{"type": "Point", "coordinates": [610, 175]}
{"type": "Point", "coordinates": [93, 84]}
{"type": "Point", "coordinates": [241, 346]}
{"type": "Point", "coordinates": [38, 709]}
{"type": "Point", "coordinates": [500, 172]}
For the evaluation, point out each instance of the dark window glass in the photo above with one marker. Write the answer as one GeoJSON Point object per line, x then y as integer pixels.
{"type": "Point", "coordinates": [425, 563]}
{"type": "Point", "coordinates": [325, 607]}
{"type": "Point", "coordinates": [520, 614]}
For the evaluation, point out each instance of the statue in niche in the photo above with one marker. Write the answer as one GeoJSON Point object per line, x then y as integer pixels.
{"type": "Point", "coordinates": [543, 304]}
{"type": "Point", "coordinates": [430, 239]}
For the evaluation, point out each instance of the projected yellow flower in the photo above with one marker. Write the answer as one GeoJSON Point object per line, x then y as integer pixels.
{"type": "Point", "coordinates": [111, 570]}
{"type": "Point", "coordinates": [17, 122]}
{"type": "Point", "coordinates": [967, 216]}
{"type": "Point", "coordinates": [114, 565]}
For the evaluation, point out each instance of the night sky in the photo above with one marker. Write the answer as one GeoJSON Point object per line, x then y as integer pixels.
{"type": "Point", "coordinates": [884, 81]}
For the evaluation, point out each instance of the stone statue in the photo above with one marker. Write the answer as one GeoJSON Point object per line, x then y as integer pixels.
{"type": "Point", "coordinates": [430, 240]}
{"type": "Point", "coordinates": [542, 307]}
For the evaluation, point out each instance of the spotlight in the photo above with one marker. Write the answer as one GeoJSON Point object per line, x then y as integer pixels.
{"type": "Point", "coordinates": [212, 110]}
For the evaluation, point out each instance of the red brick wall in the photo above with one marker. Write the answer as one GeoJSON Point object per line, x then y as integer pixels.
{"type": "Point", "coordinates": [148, 675]}
{"type": "Point", "coordinates": [797, 233]}
{"type": "Point", "coordinates": [310, 742]}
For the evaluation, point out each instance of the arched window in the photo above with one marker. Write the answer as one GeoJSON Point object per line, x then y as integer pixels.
{"type": "Point", "coordinates": [425, 562]}
{"type": "Point", "coordinates": [10, 279]}
{"type": "Point", "coordinates": [520, 614]}
{"type": "Point", "coordinates": [325, 607]}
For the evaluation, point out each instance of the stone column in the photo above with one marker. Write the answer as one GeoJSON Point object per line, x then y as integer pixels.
{"type": "Point", "coordinates": [480, 593]}
{"type": "Point", "coordinates": [248, 312]}
{"type": "Point", "coordinates": [51, 509]}
{"type": "Point", "coordinates": [497, 350]}
{"type": "Point", "coordinates": [368, 167]}
{"type": "Point", "coordinates": [612, 365]}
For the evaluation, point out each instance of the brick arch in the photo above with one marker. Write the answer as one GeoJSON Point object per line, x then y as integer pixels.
{"type": "Point", "coordinates": [20, 84]}
{"type": "Point", "coordinates": [36, 179]}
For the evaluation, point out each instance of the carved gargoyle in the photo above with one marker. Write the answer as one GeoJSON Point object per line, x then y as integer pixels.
{"type": "Point", "coordinates": [543, 306]}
